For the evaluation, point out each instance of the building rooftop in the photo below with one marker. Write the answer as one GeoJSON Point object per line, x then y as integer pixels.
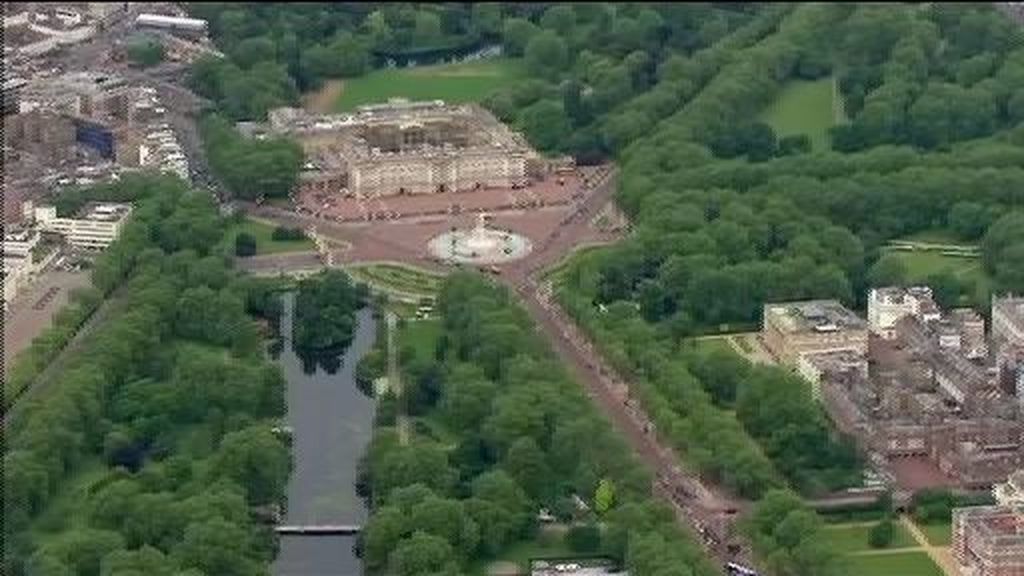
{"type": "Point", "coordinates": [814, 316]}
{"type": "Point", "coordinates": [1011, 492]}
{"type": "Point", "coordinates": [397, 129]}
{"type": "Point", "coordinates": [103, 212]}
{"type": "Point", "coordinates": [1001, 526]}
{"type": "Point", "coordinates": [1011, 307]}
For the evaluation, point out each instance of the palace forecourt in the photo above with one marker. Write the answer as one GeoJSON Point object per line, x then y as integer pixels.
{"type": "Point", "coordinates": [433, 151]}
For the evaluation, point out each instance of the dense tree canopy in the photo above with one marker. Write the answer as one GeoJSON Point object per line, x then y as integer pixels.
{"type": "Point", "coordinates": [250, 169]}
{"type": "Point", "coordinates": [523, 438]}
{"type": "Point", "coordinates": [166, 409]}
{"type": "Point", "coordinates": [325, 308]}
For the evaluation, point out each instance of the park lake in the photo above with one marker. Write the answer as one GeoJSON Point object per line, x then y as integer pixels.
{"type": "Point", "coordinates": [332, 422]}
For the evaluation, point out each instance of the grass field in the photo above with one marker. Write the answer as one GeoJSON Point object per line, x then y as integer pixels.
{"type": "Point", "coordinates": [465, 82]}
{"type": "Point", "coordinates": [708, 345]}
{"type": "Point", "coordinates": [854, 538]}
{"type": "Point", "coordinates": [803, 107]}
{"type": "Point", "coordinates": [398, 279]}
{"type": "Point", "coordinates": [265, 244]}
{"type": "Point", "coordinates": [940, 534]}
{"type": "Point", "coordinates": [922, 264]}
{"type": "Point", "coordinates": [894, 564]}
{"type": "Point", "coordinates": [421, 336]}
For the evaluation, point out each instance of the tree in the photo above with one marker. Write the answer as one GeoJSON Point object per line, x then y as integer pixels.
{"type": "Point", "coordinates": [721, 372]}
{"type": "Point", "coordinates": [83, 549]}
{"type": "Point", "coordinates": [216, 546]}
{"type": "Point", "coordinates": [546, 124]}
{"type": "Point", "coordinates": [146, 561]}
{"type": "Point", "coordinates": [467, 399]}
{"type": "Point", "coordinates": [604, 497]}
{"type": "Point", "coordinates": [584, 538]}
{"type": "Point", "coordinates": [498, 527]}
{"type": "Point", "coordinates": [446, 518]}
{"type": "Point", "coordinates": [969, 219]}
{"type": "Point", "coordinates": [546, 54]}
{"type": "Point", "coordinates": [256, 459]}
{"type": "Point", "coordinates": [1010, 270]}
{"type": "Point", "coordinates": [526, 464]}
{"type": "Point", "coordinates": [421, 554]}
{"type": "Point", "coordinates": [560, 18]}
{"type": "Point", "coordinates": [516, 35]}
{"type": "Point", "coordinates": [245, 245]}
{"type": "Point", "coordinates": [945, 287]}
{"type": "Point", "coordinates": [882, 533]}
{"type": "Point", "coordinates": [794, 144]}
{"type": "Point", "coordinates": [428, 29]}
{"type": "Point", "coordinates": [498, 488]}
{"type": "Point", "coordinates": [889, 270]}
{"type": "Point", "coordinates": [486, 18]}
{"type": "Point", "coordinates": [325, 311]}
{"type": "Point", "coordinates": [386, 527]}
{"type": "Point", "coordinates": [147, 52]}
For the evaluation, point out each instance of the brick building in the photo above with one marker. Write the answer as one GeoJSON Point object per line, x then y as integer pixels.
{"type": "Point", "coordinates": [923, 385]}
{"type": "Point", "coordinates": [792, 329]}
{"type": "Point", "coordinates": [989, 540]}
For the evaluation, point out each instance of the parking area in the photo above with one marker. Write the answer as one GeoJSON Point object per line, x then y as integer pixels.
{"type": "Point", "coordinates": [32, 310]}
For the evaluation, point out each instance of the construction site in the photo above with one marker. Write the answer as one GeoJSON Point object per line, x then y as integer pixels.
{"type": "Point", "coordinates": [922, 390]}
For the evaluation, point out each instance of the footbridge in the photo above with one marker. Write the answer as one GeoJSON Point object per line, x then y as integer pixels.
{"type": "Point", "coordinates": [318, 529]}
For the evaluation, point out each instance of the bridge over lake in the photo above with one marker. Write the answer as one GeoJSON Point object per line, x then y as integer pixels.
{"type": "Point", "coordinates": [318, 529]}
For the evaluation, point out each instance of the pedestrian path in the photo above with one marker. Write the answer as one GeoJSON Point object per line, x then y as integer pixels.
{"type": "Point", "coordinates": [395, 379]}
{"type": "Point", "coordinates": [941, 555]}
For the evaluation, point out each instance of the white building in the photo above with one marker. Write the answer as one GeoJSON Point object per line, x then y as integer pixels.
{"type": "Point", "coordinates": [189, 25]}
{"type": "Point", "coordinates": [96, 228]}
{"type": "Point", "coordinates": [17, 261]}
{"type": "Point", "coordinates": [19, 243]}
{"type": "Point", "coordinates": [887, 306]}
{"type": "Point", "coordinates": [15, 276]}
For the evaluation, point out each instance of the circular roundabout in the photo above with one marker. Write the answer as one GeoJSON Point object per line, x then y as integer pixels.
{"type": "Point", "coordinates": [480, 245]}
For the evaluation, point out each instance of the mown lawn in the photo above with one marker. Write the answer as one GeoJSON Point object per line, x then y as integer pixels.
{"type": "Point", "coordinates": [803, 107]}
{"type": "Point", "coordinates": [938, 534]}
{"type": "Point", "coordinates": [455, 83]}
{"type": "Point", "coordinates": [265, 243]}
{"type": "Point", "coordinates": [920, 265]}
{"type": "Point", "coordinates": [421, 336]}
{"type": "Point", "coordinates": [847, 538]}
{"type": "Point", "coordinates": [708, 345]}
{"type": "Point", "coordinates": [894, 564]}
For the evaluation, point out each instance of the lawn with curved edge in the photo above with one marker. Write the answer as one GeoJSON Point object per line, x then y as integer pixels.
{"type": "Point", "coordinates": [453, 83]}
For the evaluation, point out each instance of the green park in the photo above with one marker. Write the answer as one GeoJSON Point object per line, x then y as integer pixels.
{"type": "Point", "coordinates": [456, 83]}
{"type": "Point", "coordinates": [263, 233]}
{"type": "Point", "coordinates": [164, 423]}
{"type": "Point", "coordinates": [805, 107]}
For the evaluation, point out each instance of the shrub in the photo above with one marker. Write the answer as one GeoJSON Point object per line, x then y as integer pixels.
{"type": "Point", "coordinates": [146, 52]}
{"type": "Point", "coordinates": [584, 538]}
{"type": "Point", "coordinates": [245, 245]}
{"type": "Point", "coordinates": [286, 233]}
{"type": "Point", "coordinates": [882, 534]}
